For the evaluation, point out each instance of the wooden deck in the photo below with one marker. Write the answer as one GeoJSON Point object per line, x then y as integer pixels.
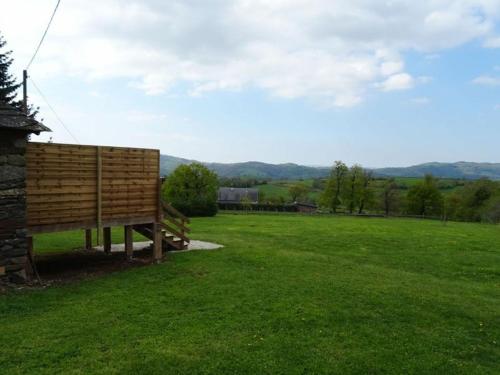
{"type": "Point", "coordinates": [81, 187]}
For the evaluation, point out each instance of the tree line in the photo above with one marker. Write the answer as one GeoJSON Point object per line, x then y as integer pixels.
{"type": "Point", "coordinates": [354, 190]}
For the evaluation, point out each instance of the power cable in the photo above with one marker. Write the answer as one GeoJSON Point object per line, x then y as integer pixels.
{"type": "Point", "coordinates": [53, 110]}
{"type": "Point", "coordinates": [44, 34]}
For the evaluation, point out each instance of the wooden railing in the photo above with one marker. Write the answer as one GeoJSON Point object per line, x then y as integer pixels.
{"type": "Point", "coordinates": [175, 222]}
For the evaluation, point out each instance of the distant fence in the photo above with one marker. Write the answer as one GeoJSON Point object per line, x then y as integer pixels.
{"type": "Point", "coordinates": [257, 207]}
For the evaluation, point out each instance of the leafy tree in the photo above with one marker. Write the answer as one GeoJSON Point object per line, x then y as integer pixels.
{"type": "Point", "coordinates": [470, 203]}
{"type": "Point", "coordinates": [424, 198]}
{"type": "Point", "coordinates": [262, 197]}
{"type": "Point", "coordinates": [331, 195]}
{"type": "Point", "coordinates": [318, 183]}
{"type": "Point", "coordinates": [351, 191]}
{"type": "Point", "coordinates": [298, 192]}
{"type": "Point", "coordinates": [8, 84]}
{"type": "Point", "coordinates": [192, 189]}
{"type": "Point", "coordinates": [491, 210]}
{"type": "Point", "coordinates": [365, 193]}
{"type": "Point", "coordinates": [389, 196]}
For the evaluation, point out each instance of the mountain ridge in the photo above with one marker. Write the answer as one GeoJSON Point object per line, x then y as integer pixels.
{"type": "Point", "coordinates": [460, 169]}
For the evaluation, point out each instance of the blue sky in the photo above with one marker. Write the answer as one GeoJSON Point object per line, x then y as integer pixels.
{"type": "Point", "coordinates": [389, 85]}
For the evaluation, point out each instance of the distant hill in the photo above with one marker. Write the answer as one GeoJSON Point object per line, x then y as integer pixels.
{"type": "Point", "coordinates": [461, 169]}
{"type": "Point", "coordinates": [290, 171]}
{"type": "Point", "coordinates": [250, 169]}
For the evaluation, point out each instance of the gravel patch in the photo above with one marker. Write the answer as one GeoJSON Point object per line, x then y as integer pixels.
{"type": "Point", "coordinates": [193, 245]}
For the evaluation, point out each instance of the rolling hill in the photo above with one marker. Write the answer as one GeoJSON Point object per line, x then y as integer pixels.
{"type": "Point", "coordinates": [290, 171]}
{"type": "Point", "coordinates": [461, 169]}
{"type": "Point", "coordinates": [250, 169]}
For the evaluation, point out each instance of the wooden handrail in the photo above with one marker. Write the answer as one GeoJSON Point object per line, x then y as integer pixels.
{"type": "Point", "coordinates": [175, 232]}
{"type": "Point", "coordinates": [174, 212]}
{"type": "Point", "coordinates": [174, 221]}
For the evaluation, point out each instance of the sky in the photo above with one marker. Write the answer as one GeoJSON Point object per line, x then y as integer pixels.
{"type": "Point", "coordinates": [380, 83]}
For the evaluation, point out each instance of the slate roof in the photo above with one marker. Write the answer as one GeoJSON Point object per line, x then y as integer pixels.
{"type": "Point", "coordinates": [12, 118]}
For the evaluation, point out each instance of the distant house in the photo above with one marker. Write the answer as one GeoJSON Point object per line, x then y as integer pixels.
{"type": "Point", "coordinates": [236, 195]}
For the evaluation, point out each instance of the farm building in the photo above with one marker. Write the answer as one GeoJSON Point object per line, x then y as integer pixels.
{"type": "Point", "coordinates": [237, 195]}
{"type": "Point", "coordinates": [46, 187]}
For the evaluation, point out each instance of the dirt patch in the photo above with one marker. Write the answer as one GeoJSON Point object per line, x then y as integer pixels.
{"type": "Point", "coordinates": [68, 267]}
{"type": "Point", "coordinates": [85, 264]}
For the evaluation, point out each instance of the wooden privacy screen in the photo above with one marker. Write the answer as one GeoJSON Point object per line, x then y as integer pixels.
{"type": "Point", "coordinates": [76, 187]}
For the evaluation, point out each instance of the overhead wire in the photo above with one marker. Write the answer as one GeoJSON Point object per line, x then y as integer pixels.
{"type": "Point", "coordinates": [53, 110]}
{"type": "Point", "coordinates": [33, 82]}
{"type": "Point", "coordinates": [44, 34]}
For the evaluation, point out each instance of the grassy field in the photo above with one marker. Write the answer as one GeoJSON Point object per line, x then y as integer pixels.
{"type": "Point", "coordinates": [279, 188]}
{"type": "Point", "coordinates": [288, 294]}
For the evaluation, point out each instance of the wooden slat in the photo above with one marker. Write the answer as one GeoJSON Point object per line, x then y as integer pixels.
{"type": "Point", "coordinates": [50, 206]}
{"type": "Point", "coordinates": [128, 210]}
{"type": "Point", "coordinates": [61, 220]}
{"type": "Point", "coordinates": [33, 199]}
{"type": "Point", "coordinates": [60, 190]}
{"type": "Point", "coordinates": [46, 183]}
{"type": "Point", "coordinates": [56, 214]}
{"type": "Point", "coordinates": [47, 151]}
{"type": "Point", "coordinates": [60, 159]}
{"type": "Point", "coordinates": [129, 181]}
{"type": "Point", "coordinates": [63, 174]}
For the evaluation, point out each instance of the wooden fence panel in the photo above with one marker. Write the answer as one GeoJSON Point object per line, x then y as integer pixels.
{"type": "Point", "coordinates": [72, 186]}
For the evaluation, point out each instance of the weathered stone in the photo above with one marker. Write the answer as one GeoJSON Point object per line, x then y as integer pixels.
{"type": "Point", "coordinates": [20, 143]}
{"type": "Point", "coordinates": [17, 276]}
{"type": "Point", "coordinates": [16, 252]}
{"type": "Point", "coordinates": [6, 247]}
{"type": "Point", "coordinates": [16, 160]}
{"type": "Point", "coordinates": [13, 241]}
{"type": "Point", "coordinates": [13, 267]}
{"type": "Point", "coordinates": [9, 193]}
{"type": "Point", "coordinates": [19, 260]}
{"type": "Point", "coordinates": [12, 172]}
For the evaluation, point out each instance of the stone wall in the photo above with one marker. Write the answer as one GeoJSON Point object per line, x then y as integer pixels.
{"type": "Point", "coordinates": [13, 234]}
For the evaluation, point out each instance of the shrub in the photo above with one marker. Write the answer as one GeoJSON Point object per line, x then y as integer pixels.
{"type": "Point", "coordinates": [192, 189]}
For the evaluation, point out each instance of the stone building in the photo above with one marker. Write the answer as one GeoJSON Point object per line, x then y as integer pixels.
{"type": "Point", "coordinates": [15, 128]}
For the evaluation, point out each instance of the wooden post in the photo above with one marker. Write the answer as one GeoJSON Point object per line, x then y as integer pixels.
{"type": "Point", "coordinates": [30, 259]}
{"type": "Point", "coordinates": [157, 233]}
{"type": "Point", "coordinates": [157, 242]}
{"type": "Point", "coordinates": [107, 239]}
{"type": "Point", "coordinates": [25, 92]}
{"type": "Point", "coordinates": [99, 194]}
{"type": "Point", "coordinates": [183, 232]}
{"type": "Point", "coordinates": [88, 239]}
{"type": "Point", "coordinates": [129, 241]}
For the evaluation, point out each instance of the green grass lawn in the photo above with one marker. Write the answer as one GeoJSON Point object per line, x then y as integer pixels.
{"type": "Point", "coordinates": [288, 294]}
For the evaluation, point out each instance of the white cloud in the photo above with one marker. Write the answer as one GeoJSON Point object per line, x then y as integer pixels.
{"type": "Point", "coordinates": [493, 42]}
{"type": "Point", "coordinates": [401, 81]}
{"type": "Point", "coordinates": [332, 52]}
{"type": "Point", "coordinates": [487, 80]}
